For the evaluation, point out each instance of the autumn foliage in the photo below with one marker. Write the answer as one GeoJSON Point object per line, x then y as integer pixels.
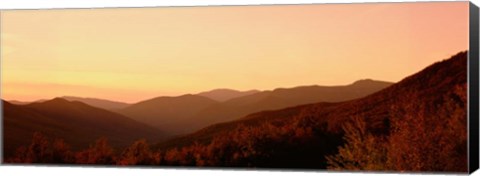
{"type": "Point", "coordinates": [268, 145]}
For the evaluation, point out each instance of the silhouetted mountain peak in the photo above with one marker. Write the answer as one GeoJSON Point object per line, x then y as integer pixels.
{"type": "Point", "coordinates": [282, 89]}
{"type": "Point", "coordinates": [56, 100]}
{"type": "Point", "coordinates": [223, 90]}
{"type": "Point", "coordinates": [99, 103]}
{"type": "Point", "coordinates": [224, 94]}
{"type": "Point", "coordinates": [188, 96]}
{"type": "Point", "coordinates": [61, 103]}
{"type": "Point", "coordinates": [184, 97]}
{"type": "Point", "coordinates": [366, 82]}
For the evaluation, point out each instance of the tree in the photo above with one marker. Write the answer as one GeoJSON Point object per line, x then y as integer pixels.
{"type": "Point", "coordinates": [138, 153]}
{"type": "Point", "coordinates": [100, 153]}
{"type": "Point", "coordinates": [39, 150]}
{"type": "Point", "coordinates": [433, 140]}
{"type": "Point", "coordinates": [61, 152]}
{"type": "Point", "coordinates": [362, 150]}
{"type": "Point", "coordinates": [20, 156]}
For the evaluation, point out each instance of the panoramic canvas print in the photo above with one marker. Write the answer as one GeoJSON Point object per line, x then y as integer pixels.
{"type": "Point", "coordinates": [371, 87]}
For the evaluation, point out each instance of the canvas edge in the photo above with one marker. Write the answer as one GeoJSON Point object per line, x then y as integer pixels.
{"type": "Point", "coordinates": [473, 89]}
{"type": "Point", "coordinates": [1, 102]}
{"type": "Point", "coordinates": [473, 94]}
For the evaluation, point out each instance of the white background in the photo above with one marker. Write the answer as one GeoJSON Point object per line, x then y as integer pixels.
{"type": "Point", "coordinates": [36, 4]}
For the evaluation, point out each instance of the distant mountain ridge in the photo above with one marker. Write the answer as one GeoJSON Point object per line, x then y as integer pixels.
{"type": "Point", "coordinates": [76, 122]}
{"type": "Point", "coordinates": [16, 102]}
{"type": "Point", "coordinates": [285, 97]}
{"type": "Point", "coordinates": [167, 113]}
{"type": "Point", "coordinates": [99, 103]}
{"type": "Point", "coordinates": [187, 113]}
{"type": "Point", "coordinates": [225, 94]}
{"type": "Point", "coordinates": [95, 102]}
{"type": "Point", "coordinates": [184, 114]}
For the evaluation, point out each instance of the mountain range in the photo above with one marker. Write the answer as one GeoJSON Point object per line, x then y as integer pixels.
{"type": "Point", "coordinates": [170, 115]}
{"type": "Point", "coordinates": [285, 97]}
{"type": "Point", "coordinates": [417, 124]}
{"type": "Point", "coordinates": [89, 118]}
{"type": "Point", "coordinates": [77, 123]}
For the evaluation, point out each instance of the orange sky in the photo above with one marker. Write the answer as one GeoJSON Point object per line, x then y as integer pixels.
{"type": "Point", "coordinates": [133, 54]}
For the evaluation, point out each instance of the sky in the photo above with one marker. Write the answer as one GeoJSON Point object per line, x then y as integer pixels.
{"type": "Point", "coordinates": [133, 54]}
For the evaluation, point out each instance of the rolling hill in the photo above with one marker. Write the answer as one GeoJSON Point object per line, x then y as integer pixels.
{"type": "Point", "coordinates": [16, 102]}
{"type": "Point", "coordinates": [99, 103]}
{"type": "Point", "coordinates": [418, 124]}
{"type": "Point", "coordinates": [78, 123]}
{"type": "Point", "coordinates": [168, 113]}
{"type": "Point", "coordinates": [225, 94]}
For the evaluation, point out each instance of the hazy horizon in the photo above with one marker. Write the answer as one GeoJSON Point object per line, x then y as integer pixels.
{"type": "Point", "coordinates": [133, 54]}
{"type": "Point", "coordinates": [188, 93]}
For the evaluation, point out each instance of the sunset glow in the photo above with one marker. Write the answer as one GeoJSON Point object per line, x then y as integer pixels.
{"type": "Point", "coordinates": [132, 54]}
